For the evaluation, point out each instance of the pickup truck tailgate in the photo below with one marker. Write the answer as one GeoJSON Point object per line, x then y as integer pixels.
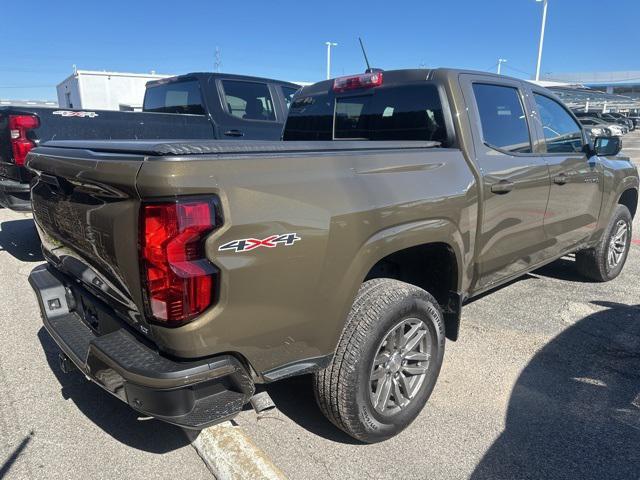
{"type": "Point", "coordinates": [85, 207]}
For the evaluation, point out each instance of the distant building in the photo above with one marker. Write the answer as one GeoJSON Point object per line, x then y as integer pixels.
{"type": "Point", "coordinates": [28, 103]}
{"type": "Point", "coordinates": [96, 90]}
{"type": "Point", "coordinates": [620, 83]}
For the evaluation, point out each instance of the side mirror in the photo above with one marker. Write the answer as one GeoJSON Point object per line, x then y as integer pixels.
{"type": "Point", "coordinates": [607, 146]}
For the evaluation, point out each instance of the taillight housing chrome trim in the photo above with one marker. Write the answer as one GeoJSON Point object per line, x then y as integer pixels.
{"type": "Point", "coordinates": [179, 280]}
{"type": "Point", "coordinates": [21, 144]}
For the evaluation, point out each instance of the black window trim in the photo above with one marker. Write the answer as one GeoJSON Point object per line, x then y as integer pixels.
{"type": "Point", "coordinates": [519, 91]}
{"type": "Point", "coordinates": [203, 101]}
{"type": "Point", "coordinates": [543, 140]}
{"type": "Point", "coordinates": [225, 109]}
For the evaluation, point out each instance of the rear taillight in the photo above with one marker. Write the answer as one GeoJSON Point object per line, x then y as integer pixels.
{"type": "Point", "coordinates": [365, 80]}
{"type": "Point", "coordinates": [180, 281]}
{"type": "Point", "coordinates": [19, 125]}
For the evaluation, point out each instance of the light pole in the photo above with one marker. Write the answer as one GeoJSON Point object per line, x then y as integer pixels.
{"type": "Point", "coordinates": [500, 62]}
{"type": "Point", "coordinates": [544, 22]}
{"type": "Point", "coordinates": [329, 45]}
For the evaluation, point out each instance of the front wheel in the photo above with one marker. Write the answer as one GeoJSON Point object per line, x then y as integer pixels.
{"type": "Point", "coordinates": [605, 262]}
{"type": "Point", "coordinates": [387, 361]}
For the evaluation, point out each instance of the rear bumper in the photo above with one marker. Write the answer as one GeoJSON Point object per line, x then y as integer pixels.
{"type": "Point", "coordinates": [15, 195]}
{"type": "Point", "coordinates": [191, 394]}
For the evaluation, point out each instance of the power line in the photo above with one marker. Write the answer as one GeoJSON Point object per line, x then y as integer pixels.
{"type": "Point", "coordinates": [27, 86]}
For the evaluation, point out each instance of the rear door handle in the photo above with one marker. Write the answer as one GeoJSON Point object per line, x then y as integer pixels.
{"type": "Point", "coordinates": [560, 179]}
{"type": "Point", "coordinates": [234, 133]}
{"type": "Point", "coordinates": [502, 187]}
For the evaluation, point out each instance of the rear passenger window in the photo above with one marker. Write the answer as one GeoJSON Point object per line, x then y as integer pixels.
{"type": "Point", "coordinates": [175, 97]}
{"type": "Point", "coordinates": [504, 124]}
{"type": "Point", "coordinates": [561, 132]}
{"type": "Point", "coordinates": [248, 100]}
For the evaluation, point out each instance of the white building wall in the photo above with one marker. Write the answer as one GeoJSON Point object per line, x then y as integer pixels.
{"type": "Point", "coordinates": [104, 90]}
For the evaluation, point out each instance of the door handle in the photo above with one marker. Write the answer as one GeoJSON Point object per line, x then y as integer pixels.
{"type": "Point", "coordinates": [234, 133]}
{"type": "Point", "coordinates": [502, 187]}
{"type": "Point", "coordinates": [560, 179]}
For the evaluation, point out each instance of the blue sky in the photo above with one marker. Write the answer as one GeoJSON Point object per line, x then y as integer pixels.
{"type": "Point", "coordinates": [285, 39]}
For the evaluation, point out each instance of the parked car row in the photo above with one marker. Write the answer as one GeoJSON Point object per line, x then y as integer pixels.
{"type": "Point", "coordinates": [606, 124]}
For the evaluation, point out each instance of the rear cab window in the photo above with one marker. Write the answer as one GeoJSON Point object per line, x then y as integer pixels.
{"type": "Point", "coordinates": [402, 112]}
{"type": "Point", "coordinates": [174, 97]}
{"type": "Point", "coordinates": [248, 100]}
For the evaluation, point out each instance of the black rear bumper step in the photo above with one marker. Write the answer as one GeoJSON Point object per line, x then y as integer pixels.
{"type": "Point", "coordinates": [191, 394]}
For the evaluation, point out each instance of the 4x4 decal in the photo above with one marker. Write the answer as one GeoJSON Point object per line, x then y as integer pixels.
{"type": "Point", "coordinates": [245, 244]}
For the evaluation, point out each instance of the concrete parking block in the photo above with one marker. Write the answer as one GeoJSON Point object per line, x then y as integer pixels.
{"type": "Point", "coordinates": [231, 455]}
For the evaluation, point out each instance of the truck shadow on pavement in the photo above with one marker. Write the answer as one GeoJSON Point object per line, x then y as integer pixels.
{"type": "Point", "coordinates": [20, 239]}
{"type": "Point", "coordinates": [302, 409]}
{"type": "Point", "coordinates": [110, 414]}
{"type": "Point", "coordinates": [575, 409]}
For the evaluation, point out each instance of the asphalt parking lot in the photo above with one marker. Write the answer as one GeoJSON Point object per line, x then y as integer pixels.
{"type": "Point", "coordinates": [543, 383]}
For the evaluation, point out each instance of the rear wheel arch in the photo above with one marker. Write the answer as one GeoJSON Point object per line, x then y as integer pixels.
{"type": "Point", "coordinates": [432, 266]}
{"type": "Point", "coordinates": [629, 198]}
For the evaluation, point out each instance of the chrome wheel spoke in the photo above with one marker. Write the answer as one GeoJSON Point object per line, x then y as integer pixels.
{"type": "Point", "coordinates": [383, 393]}
{"type": "Point", "coordinates": [379, 373]}
{"type": "Point", "coordinates": [417, 356]}
{"type": "Point", "coordinates": [404, 382]}
{"type": "Point", "coordinates": [413, 341]}
{"type": "Point", "coordinates": [400, 398]}
{"type": "Point", "coordinates": [415, 369]}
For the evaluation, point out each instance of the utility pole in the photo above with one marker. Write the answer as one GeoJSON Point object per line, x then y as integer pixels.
{"type": "Point", "coordinates": [500, 62]}
{"type": "Point", "coordinates": [218, 62]}
{"type": "Point", "coordinates": [544, 22]}
{"type": "Point", "coordinates": [329, 45]}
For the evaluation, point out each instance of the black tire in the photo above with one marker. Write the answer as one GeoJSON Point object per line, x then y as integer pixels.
{"type": "Point", "coordinates": [344, 389]}
{"type": "Point", "coordinates": [594, 263]}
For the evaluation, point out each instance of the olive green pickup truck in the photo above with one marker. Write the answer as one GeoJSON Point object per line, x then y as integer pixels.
{"type": "Point", "coordinates": [181, 274]}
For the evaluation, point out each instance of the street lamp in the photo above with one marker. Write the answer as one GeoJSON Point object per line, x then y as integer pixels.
{"type": "Point", "coordinates": [544, 22]}
{"type": "Point", "coordinates": [500, 62]}
{"type": "Point", "coordinates": [329, 45]}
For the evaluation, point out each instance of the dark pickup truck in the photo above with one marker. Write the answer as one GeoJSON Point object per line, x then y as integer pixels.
{"type": "Point", "coordinates": [191, 106]}
{"type": "Point", "coordinates": [178, 274]}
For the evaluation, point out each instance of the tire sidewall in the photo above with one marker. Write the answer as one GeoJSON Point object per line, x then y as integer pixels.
{"type": "Point", "coordinates": [621, 213]}
{"type": "Point", "coordinates": [416, 305]}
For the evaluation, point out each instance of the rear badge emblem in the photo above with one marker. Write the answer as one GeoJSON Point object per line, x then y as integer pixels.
{"type": "Point", "coordinates": [246, 244]}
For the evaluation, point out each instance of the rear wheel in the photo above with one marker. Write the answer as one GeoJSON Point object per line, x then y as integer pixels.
{"type": "Point", "coordinates": [605, 262]}
{"type": "Point", "coordinates": [387, 361]}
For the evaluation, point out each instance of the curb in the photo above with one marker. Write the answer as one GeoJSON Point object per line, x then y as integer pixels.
{"type": "Point", "coordinates": [231, 455]}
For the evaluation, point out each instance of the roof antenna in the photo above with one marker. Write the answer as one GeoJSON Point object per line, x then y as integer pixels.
{"type": "Point", "coordinates": [369, 69]}
{"type": "Point", "coordinates": [365, 55]}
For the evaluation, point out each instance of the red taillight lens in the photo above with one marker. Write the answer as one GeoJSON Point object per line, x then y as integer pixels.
{"type": "Point", "coordinates": [180, 280]}
{"type": "Point", "coordinates": [19, 125]}
{"type": "Point", "coordinates": [366, 80]}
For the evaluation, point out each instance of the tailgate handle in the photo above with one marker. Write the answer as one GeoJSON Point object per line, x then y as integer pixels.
{"type": "Point", "coordinates": [50, 179]}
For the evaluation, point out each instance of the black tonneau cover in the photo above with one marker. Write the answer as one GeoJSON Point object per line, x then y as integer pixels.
{"type": "Point", "coordinates": [190, 147]}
